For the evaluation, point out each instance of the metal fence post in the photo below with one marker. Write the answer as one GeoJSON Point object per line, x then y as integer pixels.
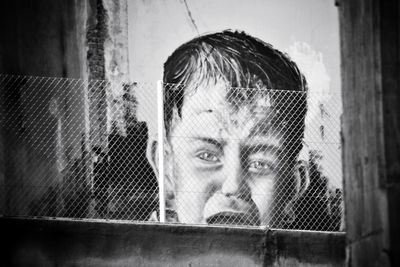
{"type": "Point", "coordinates": [160, 138]}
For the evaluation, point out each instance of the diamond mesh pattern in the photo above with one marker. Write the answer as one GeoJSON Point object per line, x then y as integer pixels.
{"type": "Point", "coordinates": [232, 156]}
{"type": "Point", "coordinates": [235, 154]}
{"type": "Point", "coordinates": [82, 150]}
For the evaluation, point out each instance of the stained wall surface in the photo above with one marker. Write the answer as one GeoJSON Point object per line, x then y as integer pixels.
{"type": "Point", "coordinates": [47, 38]}
{"type": "Point", "coordinates": [77, 243]}
{"type": "Point", "coordinates": [41, 38]}
{"type": "Point", "coordinates": [308, 31]}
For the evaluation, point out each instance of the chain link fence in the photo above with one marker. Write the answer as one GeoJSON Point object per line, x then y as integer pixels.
{"type": "Point", "coordinates": [80, 149]}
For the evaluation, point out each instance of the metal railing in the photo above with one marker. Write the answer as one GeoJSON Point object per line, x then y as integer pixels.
{"type": "Point", "coordinates": [239, 156]}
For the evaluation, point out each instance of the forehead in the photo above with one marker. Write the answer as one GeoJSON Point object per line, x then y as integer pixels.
{"type": "Point", "coordinates": [212, 108]}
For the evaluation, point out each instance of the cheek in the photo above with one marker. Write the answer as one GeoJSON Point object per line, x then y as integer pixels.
{"type": "Point", "coordinates": [192, 189]}
{"type": "Point", "coordinates": [262, 194]}
{"type": "Point", "coordinates": [186, 176]}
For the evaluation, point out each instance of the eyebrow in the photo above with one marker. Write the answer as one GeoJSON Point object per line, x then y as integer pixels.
{"type": "Point", "coordinates": [205, 110]}
{"type": "Point", "coordinates": [213, 141]}
{"type": "Point", "coordinates": [257, 147]}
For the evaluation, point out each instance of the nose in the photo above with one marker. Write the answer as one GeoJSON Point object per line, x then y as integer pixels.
{"type": "Point", "coordinates": [234, 183]}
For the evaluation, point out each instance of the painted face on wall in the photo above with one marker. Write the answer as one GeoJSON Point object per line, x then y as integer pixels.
{"type": "Point", "coordinates": [225, 161]}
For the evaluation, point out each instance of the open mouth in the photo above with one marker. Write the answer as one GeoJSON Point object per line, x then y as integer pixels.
{"type": "Point", "coordinates": [233, 218]}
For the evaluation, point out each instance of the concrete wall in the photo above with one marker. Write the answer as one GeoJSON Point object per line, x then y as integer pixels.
{"type": "Point", "coordinates": [41, 38]}
{"type": "Point", "coordinates": [77, 243]}
{"type": "Point", "coordinates": [48, 38]}
{"type": "Point", "coordinates": [43, 125]}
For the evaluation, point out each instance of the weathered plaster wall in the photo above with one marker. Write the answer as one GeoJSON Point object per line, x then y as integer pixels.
{"type": "Point", "coordinates": [75, 243]}
{"type": "Point", "coordinates": [107, 57]}
{"type": "Point", "coordinates": [47, 38]}
{"type": "Point", "coordinates": [307, 30]}
{"type": "Point", "coordinates": [116, 43]}
{"type": "Point", "coordinates": [47, 120]}
{"type": "Point", "coordinates": [41, 38]}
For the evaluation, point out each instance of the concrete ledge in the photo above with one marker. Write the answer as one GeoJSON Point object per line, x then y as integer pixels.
{"type": "Point", "coordinates": [58, 242]}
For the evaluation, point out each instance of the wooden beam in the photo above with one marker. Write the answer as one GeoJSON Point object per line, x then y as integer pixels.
{"type": "Point", "coordinates": [371, 130]}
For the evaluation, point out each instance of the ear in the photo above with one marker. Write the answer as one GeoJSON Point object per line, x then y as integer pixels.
{"type": "Point", "coordinates": [152, 155]}
{"type": "Point", "coordinates": [302, 181]}
{"type": "Point", "coordinates": [302, 178]}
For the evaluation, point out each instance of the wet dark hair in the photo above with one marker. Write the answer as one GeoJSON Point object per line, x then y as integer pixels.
{"type": "Point", "coordinates": [245, 63]}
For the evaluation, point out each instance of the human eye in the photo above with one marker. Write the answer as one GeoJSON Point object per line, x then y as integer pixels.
{"type": "Point", "coordinates": [260, 166]}
{"type": "Point", "coordinates": [208, 151]}
{"type": "Point", "coordinates": [208, 156]}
